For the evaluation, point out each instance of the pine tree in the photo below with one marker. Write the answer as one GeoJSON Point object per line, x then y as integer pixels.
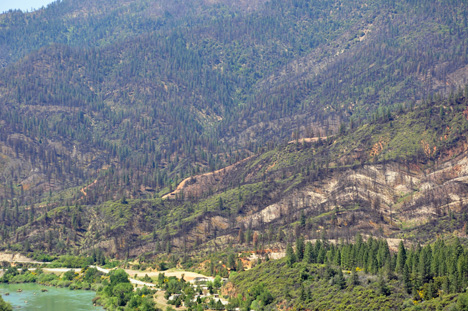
{"type": "Point", "coordinates": [462, 267]}
{"type": "Point", "coordinates": [248, 236]}
{"type": "Point", "coordinates": [309, 253]}
{"type": "Point", "coordinates": [240, 236]}
{"type": "Point", "coordinates": [303, 219]}
{"type": "Point", "coordinates": [337, 258]}
{"type": "Point", "coordinates": [372, 264]}
{"type": "Point", "coordinates": [290, 256]}
{"type": "Point", "coordinates": [383, 253]}
{"type": "Point", "coordinates": [416, 252]}
{"type": "Point", "coordinates": [345, 256]}
{"type": "Point", "coordinates": [457, 248]}
{"type": "Point", "coordinates": [220, 204]}
{"type": "Point", "coordinates": [401, 258]}
{"type": "Point", "coordinates": [340, 280]}
{"type": "Point", "coordinates": [300, 248]}
{"type": "Point", "coordinates": [437, 258]}
{"type": "Point", "coordinates": [407, 279]}
{"type": "Point", "coordinates": [424, 273]}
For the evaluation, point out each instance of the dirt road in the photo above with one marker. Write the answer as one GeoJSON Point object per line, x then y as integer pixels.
{"type": "Point", "coordinates": [188, 275]}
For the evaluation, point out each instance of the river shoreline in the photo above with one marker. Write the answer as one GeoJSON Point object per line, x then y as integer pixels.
{"type": "Point", "coordinates": [35, 296]}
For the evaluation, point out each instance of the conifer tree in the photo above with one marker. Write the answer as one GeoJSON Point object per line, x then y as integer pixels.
{"type": "Point", "coordinates": [423, 273]}
{"type": "Point", "coordinates": [309, 253]}
{"type": "Point", "coordinates": [401, 258]}
{"type": "Point", "coordinates": [300, 248]}
{"type": "Point", "coordinates": [407, 279]}
{"type": "Point", "coordinates": [290, 256]}
{"type": "Point", "coordinates": [340, 280]}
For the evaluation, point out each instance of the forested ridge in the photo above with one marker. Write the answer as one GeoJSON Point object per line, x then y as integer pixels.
{"type": "Point", "coordinates": [213, 135]}
{"type": "Point", "coordinates": [159, 91]}
{"type": "Point", "coordinates": [364, 275]}
{"type": "Point", "coordinates": [269, 109]}
{"type": "Point", "coordinates": [370, 177]}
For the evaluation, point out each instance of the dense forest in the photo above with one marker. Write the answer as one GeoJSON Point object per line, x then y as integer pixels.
{"type": "Point", "coordinates": [364, 275]}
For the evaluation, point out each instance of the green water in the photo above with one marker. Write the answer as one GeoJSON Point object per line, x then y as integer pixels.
{"type": "Point", "coordinates": [55, 299]}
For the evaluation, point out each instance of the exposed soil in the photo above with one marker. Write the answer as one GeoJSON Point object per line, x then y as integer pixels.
{"type": "Point", "coordinates": [188, 275]}
{"type": "Point", "coordinates": [196, 184]}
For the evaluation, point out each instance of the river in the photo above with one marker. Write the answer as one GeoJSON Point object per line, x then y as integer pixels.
{"type": "Point", "coordinates": [55, 299]}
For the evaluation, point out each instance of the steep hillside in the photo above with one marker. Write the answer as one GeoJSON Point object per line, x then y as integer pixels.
{"type": "Point", "coordinates": [141, 94]}
{"type": "Point", "coordinates": [215, 134]}
{"type": "Point", "coordinates": [364, 275]}
{"type": "Point", "coordinates": [400, 176]}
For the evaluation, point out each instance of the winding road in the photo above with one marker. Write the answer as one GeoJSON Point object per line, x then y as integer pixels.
{"type": "Point", "coordinates": [188, 275]}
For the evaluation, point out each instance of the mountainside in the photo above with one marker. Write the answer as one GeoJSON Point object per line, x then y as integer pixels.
{"type": "Point", "coordinates": [161, 90]}
{"type": "Point", "coordinates": [141, 126]}
{"type": "Point", "coordinates": [401, 176]}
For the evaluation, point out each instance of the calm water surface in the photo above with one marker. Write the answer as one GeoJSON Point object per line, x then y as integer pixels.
{"type": "Point", "coordinates": [55, 299]}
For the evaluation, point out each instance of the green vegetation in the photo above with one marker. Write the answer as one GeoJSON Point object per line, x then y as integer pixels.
{"type": "Point", "coordinates": [260, 181]}
{"type": "Point", "coordinates": [117, 292]}
{"type": "Point", "coordinates": [291, 120]}
{"type": "Point", "coordinates": [365, 275]}
{"type": "Point", "coordinates": [168, 92]}
{"type": "Point", "coordinates": [113, 291]}
{"type": "Point", "coordinates": [4, 306]}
